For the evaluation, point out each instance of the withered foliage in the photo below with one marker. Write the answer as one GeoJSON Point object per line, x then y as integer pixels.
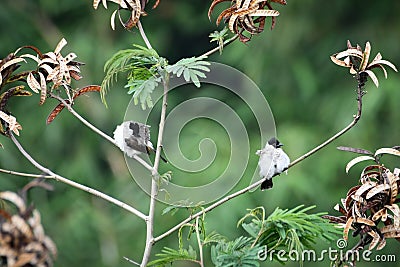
{"type": "Point", "coordinates": [52, 76]}
{"type": "Point", "coordinates": [358, 61]}
{"type": "Point", "coordinates": [53, 67]}
{"type": "Point", "coordinates": [22, 238]}
{"type": "Point", "coordinates": [246, 16]}
{"type": "Point", "coordinates": [135, 7]}
{"type": "Point", "coordinates": [370, 209]}
{"type": "Point", "coordinates": [53, 114]}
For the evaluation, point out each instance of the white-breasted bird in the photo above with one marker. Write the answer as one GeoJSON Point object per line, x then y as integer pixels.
{"type": "Point", "coordinates": [133, 138]}
{"type": "Point", "coordinates": [273, 160]}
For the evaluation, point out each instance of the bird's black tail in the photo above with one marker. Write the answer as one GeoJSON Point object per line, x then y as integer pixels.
{"type": "Point", "coordinates": [267, 184]}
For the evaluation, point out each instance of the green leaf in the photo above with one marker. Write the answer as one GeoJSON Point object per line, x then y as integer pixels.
{"type": "Point", "coordinates": [140, 62]}
{"type": "Point", "coordinates": [219, 36]}
{"type": "Point", "coordinates": [191, 68]}
{"type": "Point", "coordinates": [170, 255]}
{"type": "Point", "coordinates": [213, 237]}
{"type": "Point", "coordinates": [238, 252]}
{"type": "Point", "coordinates": [142, 89]}
{"type": "Point", "coordinates": [293, 229]}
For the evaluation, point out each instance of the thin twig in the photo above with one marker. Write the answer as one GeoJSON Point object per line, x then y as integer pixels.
{"type": "Point", "coordinates": [143, 34]}
{"type": "Point", "coordinates": [256, 184]}
{"type": "Point", "coordinates": [199, 242]}
{"type": "Point", "coordinates": [75, 184]}
{"type": "Point", "coordinates": [30, 175]}
{"type": "Point", "coordinates": [216, 49]}
{"type": "Point", "coordinates": [131, 261]}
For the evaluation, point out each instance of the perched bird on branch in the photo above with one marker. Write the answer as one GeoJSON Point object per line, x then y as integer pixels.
{"type": "Point", "coordinates": [273, 161]}
{"type": "Point", "coordinates": [133, 138]}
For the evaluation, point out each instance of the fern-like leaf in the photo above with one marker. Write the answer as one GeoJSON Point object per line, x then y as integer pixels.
{"type": "Point", "coordinates": [191, 68]}
{"type": "Point", "coordinates": [170, 255]}
{"type": "Point", "coordinates": [213, 237]}
{"type": "Point", "coordinates": [140, 63]}
{"type": "Point", "coordinates": [289, 230]}
{"type": "Point", "coordinates": [142, 89]}
{"type": "Point", "coordinates": [238, 252]}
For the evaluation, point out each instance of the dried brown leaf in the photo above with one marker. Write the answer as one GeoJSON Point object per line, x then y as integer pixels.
{"type": "Point", "coordinates": [355, 150]}
{"type": "Point", "coordinates": [390, 151]}
{"type": "Point", "coordinates": [375, 240]}
{"type": "Point", "coordinates": [366, 54]}
{"type": "Point", "coordinates": [53, 114]}
{"type": "Point", "coordinates": [33, 83]}
{"type": "Point", "coordinates": [357, 160]}
{"type": "Point", "coordinates": [339, 62]}
{"type": "Point", "coordinates": [393, 234]}
{"type": "Point", "coordinates": [15, 199]}
{"type": "Point", "coordinates": [373, 77]}
{"type": "Point", "coordinates": [340, 209]}
{"type": "Point", "coordinates": [347, 228]}
{"type": "Point", "coordinates": [377, 190]}
{"type": "Point", "coordinates": [364, 221]}
{"type": "Point", "coordinates": [396, 214]}
{"type": "Point", "coordinates": [381, 244]}
{"type": "Point", "coordinates": [24, 259]}
{"type": "Point", "coordinates": [11, 62]}
{"type": "Point", "coordinates": [365, 187]}
{"type": "Point", "coordinates": [382, 213]}
{"type": "Point", "coordinates": [393, 186]}
{"type": "Point", "coordinates": [382, 62]}
{"type": "Point", "coordinates": [43, 89]}
{"type": "Point", "coordinates": [22, 226]}
{"type": "Point", "coordinates": [13, 125]}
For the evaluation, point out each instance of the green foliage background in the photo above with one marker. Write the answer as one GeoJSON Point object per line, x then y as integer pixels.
{"type": "Point", "coordinates": [310, 97]}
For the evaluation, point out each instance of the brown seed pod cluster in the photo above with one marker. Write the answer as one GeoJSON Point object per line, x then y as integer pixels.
{"type": "Point", "coordinates": [135, 7]}
{"type": "Point", "coordinates": [22, 238]}
{"type": "Point", "coordinates": [246, 16]}
{"type": "Point", "coordinates": [371, 209]}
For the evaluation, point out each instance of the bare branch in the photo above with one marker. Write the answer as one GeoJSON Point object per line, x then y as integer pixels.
{"type": "Point", "coordinates": [29, 175]}
{"type": "Point", "coordinates": [199, 242]}
{"type": "Point", "coordinates": [64, 180]}
{"type": "Point", "coordinates": [143, 34]}
{"type": "Point", "coordinates": [216, 49]}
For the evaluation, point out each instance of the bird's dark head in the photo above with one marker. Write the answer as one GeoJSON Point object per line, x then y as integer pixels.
{"type": "Point", "coordinates": [275, 142]}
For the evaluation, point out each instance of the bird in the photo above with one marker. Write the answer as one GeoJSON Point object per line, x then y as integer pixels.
{"type": "Point", "coordinates": [133, 138]}
{"type": "Point", "coordinates": [273, 160]}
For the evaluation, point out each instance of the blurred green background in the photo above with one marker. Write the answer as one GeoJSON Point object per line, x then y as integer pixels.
{"type": "Point", "coordinates": [310, 97]}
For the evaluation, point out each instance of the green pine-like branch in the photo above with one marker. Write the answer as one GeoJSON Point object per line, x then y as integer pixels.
{"type": "Point", "coordinates": [288, 230]}
{"type": "Point", "coordinates": [142, 65]}
{"type": "Point", "coordinates": [170, 255]}
{"type": "Point", "coordinates": [237, 253]}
